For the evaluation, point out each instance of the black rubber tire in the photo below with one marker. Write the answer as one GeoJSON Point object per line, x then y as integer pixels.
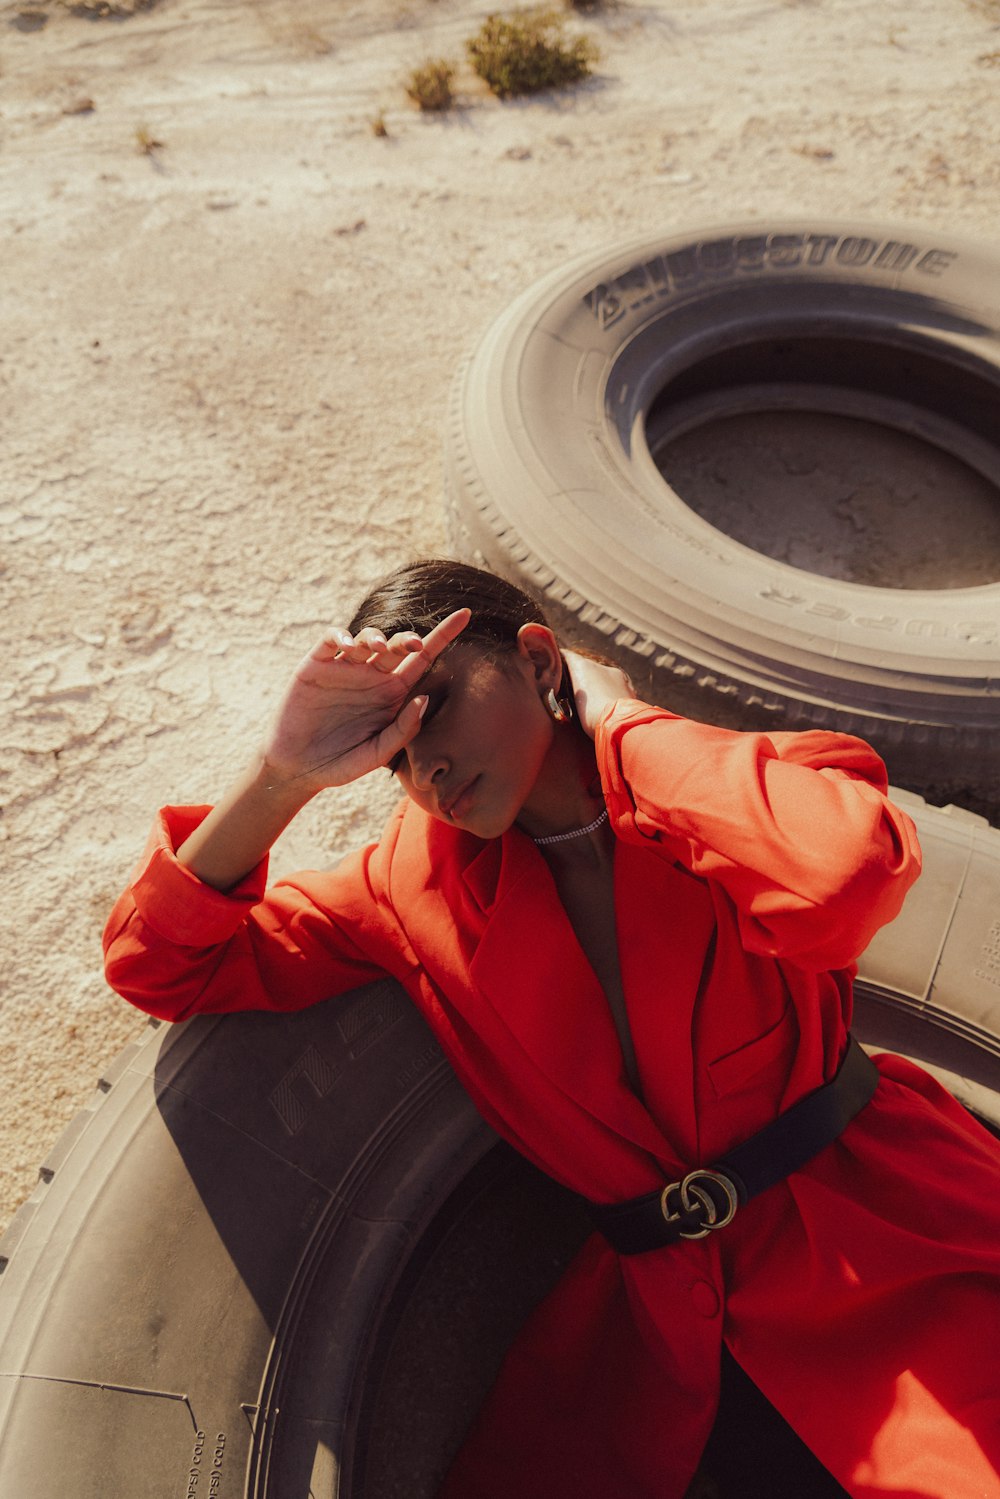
{"type": "Point", "coordinates": [200, 1299]}
{"type": "Point", "coordinates": [550, 478]}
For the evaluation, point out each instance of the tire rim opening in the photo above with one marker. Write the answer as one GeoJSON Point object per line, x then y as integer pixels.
{"type": "Point", "coordinates": [858, 481]}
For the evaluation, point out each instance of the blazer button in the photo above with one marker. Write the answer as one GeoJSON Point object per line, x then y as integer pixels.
{"type": "Point", "coordinates": [705, 1298]}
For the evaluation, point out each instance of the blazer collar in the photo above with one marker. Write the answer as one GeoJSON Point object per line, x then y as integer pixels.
{"type": "Point", "coordinates": [526, 964]}
{"type": "Point", "coordinates": [529, 966]}
{"type": "Point", "coordinates": [499, 863]}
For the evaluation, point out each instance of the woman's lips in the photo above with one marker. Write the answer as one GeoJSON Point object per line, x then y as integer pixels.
{"type": "Point", "coordinates": [460, 803]}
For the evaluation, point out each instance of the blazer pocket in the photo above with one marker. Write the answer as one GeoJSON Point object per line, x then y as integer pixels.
{"type": "Point", "coordinates": [742, 1067]}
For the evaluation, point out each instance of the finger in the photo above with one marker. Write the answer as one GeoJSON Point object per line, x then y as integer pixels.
{"type": "Point", "coordinates": [404, 642]}
{"type": "Point", "coordinates": [404, 727]}
{"type": "Point", "coordinates": [582, 666]}
{"type": "Point", "coordinates": [410, 716]}
{"type": "Point", "coordinates": [370, 637]}
{"type": "Point", "coordinates": [366, 646]}
{"type": "Point", "coordinates": [576, 666]}
{"type": "Point", "coordinates": [443, 633]}
{"type": "Point", "coordinates": [420, 660]}
{"type": "Point", "coordinates": [382, 658]}
{"type": "Point", "coordinates": [597, 685]}
{"type": "Point", "coordinates": [334, 641]}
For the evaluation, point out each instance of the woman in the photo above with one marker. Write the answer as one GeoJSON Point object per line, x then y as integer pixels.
{"type": "Point", "coordinates": [634, 936]}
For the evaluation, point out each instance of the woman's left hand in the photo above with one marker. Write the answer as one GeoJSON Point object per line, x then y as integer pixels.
{"type": "Point", "coordinates": [595, 688]}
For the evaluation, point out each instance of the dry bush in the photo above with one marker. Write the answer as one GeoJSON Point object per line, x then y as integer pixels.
{"type": "Point", "coordinates": [146, 142]}
{"type": "Point", "coordinates": [527, 51]}
{"type": "Point", "coordinates": [430, 85]}
{"type": "Point", "coordinates": [29, 18]}
{"type": "Point", "coordinates": [102, 10]}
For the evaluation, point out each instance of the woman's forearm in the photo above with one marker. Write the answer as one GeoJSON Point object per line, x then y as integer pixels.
{"type": "Point", "coordinates": [240, 829]}
{"type": "Point", "coordinates": [350, 708]}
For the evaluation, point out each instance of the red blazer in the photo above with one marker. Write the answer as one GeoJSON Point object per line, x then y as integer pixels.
{"type": "Point", "coordinates": [751, 870]}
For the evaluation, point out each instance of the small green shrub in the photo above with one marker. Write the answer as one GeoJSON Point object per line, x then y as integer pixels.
{"type": "Point", "coordinates": [527, 51]}
{"type": "Point", "coordinates": [430, 85]}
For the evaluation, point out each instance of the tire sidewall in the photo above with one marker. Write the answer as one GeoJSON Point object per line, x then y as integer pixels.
{"type": "Point", "coordinates": [550, 478]}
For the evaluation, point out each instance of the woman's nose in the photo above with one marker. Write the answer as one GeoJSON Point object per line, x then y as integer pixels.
{"type": "Point", "coordinates": [426, 767]}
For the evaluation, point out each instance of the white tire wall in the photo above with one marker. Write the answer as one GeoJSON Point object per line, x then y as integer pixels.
{"type": "Point", "coordinates": [550, 479]}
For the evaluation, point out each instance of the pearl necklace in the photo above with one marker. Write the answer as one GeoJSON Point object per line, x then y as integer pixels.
{"type": "Point", "coordinates": [577, 833]}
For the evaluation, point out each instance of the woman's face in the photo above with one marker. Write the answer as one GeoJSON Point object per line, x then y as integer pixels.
{"type": "Point", "coordinates": [483, 741]}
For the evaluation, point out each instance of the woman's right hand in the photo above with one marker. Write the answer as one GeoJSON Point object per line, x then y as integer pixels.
{"type": "Point", "coordinates": [349, 707]}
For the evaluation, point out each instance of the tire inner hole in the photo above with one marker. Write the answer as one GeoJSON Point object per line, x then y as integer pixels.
{"type": "Point", "coordinates": [841, 497]}
{"type": "Point", "coordinates": [849, 482]}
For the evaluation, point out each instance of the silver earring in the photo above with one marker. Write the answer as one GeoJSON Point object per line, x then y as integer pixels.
{"type": "Point", "coordinates": [560, 709]}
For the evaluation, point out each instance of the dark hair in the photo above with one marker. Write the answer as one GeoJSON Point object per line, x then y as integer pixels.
{"type": "Point", "coordinates": [419, 595]}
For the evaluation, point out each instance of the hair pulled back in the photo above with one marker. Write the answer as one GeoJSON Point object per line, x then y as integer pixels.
{"type": "Point", "coordinates": [419, 595]}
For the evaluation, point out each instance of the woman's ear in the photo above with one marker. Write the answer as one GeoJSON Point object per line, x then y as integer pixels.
{"type": "Point", "coordinates": [539, 647]}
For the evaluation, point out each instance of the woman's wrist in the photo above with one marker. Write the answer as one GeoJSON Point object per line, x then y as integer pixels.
{"type": "Point", "coordinates": [242, 826]}
{"type": "Point", "coordinates": [280, 784]}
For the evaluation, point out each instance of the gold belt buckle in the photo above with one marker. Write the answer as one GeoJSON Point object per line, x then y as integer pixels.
{"type": "Point", "coordinates": [692, 1196]}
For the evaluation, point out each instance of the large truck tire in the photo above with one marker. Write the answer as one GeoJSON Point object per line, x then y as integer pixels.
{"type": "Point", "coordinates": [243, 1275]}
{"type": "Point", "coordinates": [552, 477]}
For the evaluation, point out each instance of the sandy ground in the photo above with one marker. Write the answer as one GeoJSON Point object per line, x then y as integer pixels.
{"type": "Point", "coordinates": [225, 361]}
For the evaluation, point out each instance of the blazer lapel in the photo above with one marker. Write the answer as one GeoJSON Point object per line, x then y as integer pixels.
{"type": "Point", "coordinates": [666, 925]}
{"type": "Point", "coordinates": [530, 968]}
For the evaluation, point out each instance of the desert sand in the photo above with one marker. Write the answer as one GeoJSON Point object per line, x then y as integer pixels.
{"type": "Point", "coordinates": [231, 315]}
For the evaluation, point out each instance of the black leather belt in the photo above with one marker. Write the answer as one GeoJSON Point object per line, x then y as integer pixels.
{"type": "Point", "coordinates": [708, 1197]}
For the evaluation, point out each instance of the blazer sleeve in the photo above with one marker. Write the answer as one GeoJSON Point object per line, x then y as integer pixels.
{"type": "Point", "coordinates": [176, 947]}
{"type": "Point", "coordinates": [796, 828]}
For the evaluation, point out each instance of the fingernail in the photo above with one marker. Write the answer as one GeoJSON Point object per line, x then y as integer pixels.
{"type": "Point", "coordinates": [421, 704]}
